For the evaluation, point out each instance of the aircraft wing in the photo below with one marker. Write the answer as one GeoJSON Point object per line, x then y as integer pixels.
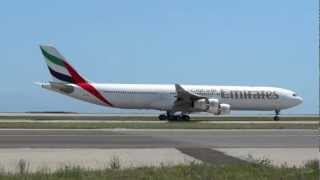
{"type": "Point", "coordinates": [185, 99]}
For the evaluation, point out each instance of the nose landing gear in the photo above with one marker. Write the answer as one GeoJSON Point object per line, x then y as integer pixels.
{"type": "Point", "coordinates": [277, 117]}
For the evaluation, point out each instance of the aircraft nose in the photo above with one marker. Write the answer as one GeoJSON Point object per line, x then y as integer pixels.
{"type": "Point", "coordinates": [298, 100]}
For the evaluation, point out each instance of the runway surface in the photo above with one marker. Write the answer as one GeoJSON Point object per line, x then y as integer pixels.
{"type": "Point", "coordinates": [154, 122]}
{"type": "Point", "coordinates": [144, 138]}
{"type": "Point", "coordinates": [95, 148]}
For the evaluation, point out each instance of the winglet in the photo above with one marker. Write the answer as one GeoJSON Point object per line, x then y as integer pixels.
{"type": "Point", "coordinates": [178, 88]}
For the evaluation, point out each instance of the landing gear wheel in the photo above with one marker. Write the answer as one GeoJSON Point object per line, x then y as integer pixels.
{"type": "Point", "coordinates": [162, 117]}
{"type": "Point", "coordinates": [172, 118]}
{"type": "Point", "coordinates": [185, 118]}
{"type": "Point", "coordinates": [276, 117]}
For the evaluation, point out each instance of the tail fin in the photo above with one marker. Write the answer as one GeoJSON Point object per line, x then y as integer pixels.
{"type": "Point", "coordinates": [59, 68]}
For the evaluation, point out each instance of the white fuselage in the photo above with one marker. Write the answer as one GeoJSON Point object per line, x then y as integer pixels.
{"type": "Point", "coordinates": [173, 98]}
{"type": "Point", "coordinates": [162, 97]}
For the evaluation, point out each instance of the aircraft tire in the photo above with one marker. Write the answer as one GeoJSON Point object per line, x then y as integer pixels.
{"type": "Point", "coordinates": [185, 118]}
{"type": "Point", "coordinates": [162, 117]}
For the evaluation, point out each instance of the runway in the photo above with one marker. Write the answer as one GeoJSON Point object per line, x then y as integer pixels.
{"type": "Point", "coordinates": [155, 122]}
{"type": "Point", "coordinates": [148, 138]}
{"type": "Point", "coordinates": [95, 148]}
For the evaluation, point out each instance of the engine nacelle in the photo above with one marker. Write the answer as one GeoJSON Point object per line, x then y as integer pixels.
{"type": "Point", "coordinates": [223, 109]}
{"type": "Point", "coordinates": [201, 105]}
{"type": "Point", "coordinates": [213, 106]}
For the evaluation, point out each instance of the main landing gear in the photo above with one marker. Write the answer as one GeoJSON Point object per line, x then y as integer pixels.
{"type": "Point", "coordinates": [277, 117]}
{"type": "Point", "coordinates": [172, 117]}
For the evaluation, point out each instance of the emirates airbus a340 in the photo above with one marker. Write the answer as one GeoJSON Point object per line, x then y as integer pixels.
{"type": "Point", "coordinates": [178, 101]}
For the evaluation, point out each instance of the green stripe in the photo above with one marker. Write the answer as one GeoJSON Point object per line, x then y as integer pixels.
{"type": "Point", "coordinates": [52, 58]}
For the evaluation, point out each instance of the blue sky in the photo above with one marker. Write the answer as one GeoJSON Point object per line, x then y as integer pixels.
{"type": "Point", "coordinates": [236, 42]}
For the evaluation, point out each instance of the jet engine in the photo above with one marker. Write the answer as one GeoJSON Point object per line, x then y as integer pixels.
{"type": "Point", "coordinates": [209, 105]}
{"type": "Point", "coordinates": [201, 105]}
{"type": "Point", "coordinates": [213, 106]}
{"type": "Point", "coordinates": [223, 109]}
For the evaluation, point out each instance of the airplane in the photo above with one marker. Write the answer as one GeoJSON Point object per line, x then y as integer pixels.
{"type": "Point", "coordinates": [178, 101]}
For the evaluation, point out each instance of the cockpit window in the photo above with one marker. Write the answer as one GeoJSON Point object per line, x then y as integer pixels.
{"type": "Point", "coordinates": [294, 94]}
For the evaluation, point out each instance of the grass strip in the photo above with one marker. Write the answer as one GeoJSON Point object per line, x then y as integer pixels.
{"type": "Point", "coordinates": [251, 171]}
